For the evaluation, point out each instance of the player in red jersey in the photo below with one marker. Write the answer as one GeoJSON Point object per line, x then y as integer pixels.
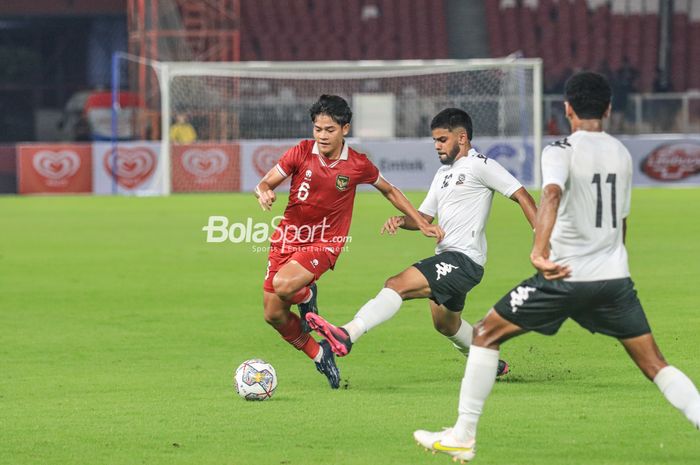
{"type": "Point", "coordinates": [325, 173]}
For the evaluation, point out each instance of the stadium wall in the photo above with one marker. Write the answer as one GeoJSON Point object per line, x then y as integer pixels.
{"type": "Point", "coordinates": [8, 169]}
{"type": "Point", "coordinates": [132, 169]}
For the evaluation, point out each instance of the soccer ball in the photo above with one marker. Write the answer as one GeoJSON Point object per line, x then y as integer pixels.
{"type": "Point", "coordinates": [255, 379]}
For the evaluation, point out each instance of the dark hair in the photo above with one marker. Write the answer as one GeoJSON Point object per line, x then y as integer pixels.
{"type": "Point", "coordinates": [589, 94]}
{"type": "Point", "coordinates": [451, 118]}
{"type": "Point", "coordinates": [334, 106]}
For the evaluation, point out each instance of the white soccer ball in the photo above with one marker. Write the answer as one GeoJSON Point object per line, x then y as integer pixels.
{"type": "Point", "coordinates": [255, 379]}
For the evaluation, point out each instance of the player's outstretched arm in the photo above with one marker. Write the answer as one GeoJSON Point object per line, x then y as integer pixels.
{"type": "Point", "coordinates": [544, 223]}
{"type": "Point", "coordinates": [395, 222]}
{"type": "Point", "coordinates": [398, 200]}
{"type": "Point", "coordinates": [264, 191]}
{"type": "Point", "coordinates": [527, 203]}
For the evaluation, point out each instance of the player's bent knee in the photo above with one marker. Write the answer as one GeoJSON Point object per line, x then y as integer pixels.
{"type": "Point", "coordinates": [482, 340]}
{"type": "Point", "coordinates": [393, 283]}
{"type": "Point", "coordinates": [274, 316]}
{"type": "Point", "coordinates": [284, 288]}
{"type": "Point", "coordinates": [486, 335]}
{"type": "Point", "coordinates": [396, 284]}
{"type": "Point", "coordinates": [494, 330]}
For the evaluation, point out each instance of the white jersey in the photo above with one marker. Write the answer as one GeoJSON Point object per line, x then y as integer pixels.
{"type": "Point", "coordinates": [594, 171]}
{"type": "Point", "coordinates": [460, 196]}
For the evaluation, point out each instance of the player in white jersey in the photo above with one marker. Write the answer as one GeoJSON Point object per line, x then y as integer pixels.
{"type": "Point", "coordinates": [580, 256]}
{"type": "Point", "coordinates": [460, 195]}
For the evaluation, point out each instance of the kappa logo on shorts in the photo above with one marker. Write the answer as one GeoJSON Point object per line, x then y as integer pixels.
{"type": "Point", "coordinates": [443, 269]}
{"type": "Point", "coordinates": [314, 263]}
{"type": "Point", "coordinates": [519, 296]}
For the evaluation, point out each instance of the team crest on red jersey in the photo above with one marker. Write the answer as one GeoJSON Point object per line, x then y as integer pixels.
{"type": "Point", "coordinates": [342, 182]}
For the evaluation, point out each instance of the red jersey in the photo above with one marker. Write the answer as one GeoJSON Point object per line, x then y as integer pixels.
{"type": "Point", "coordinates": [321, 196]}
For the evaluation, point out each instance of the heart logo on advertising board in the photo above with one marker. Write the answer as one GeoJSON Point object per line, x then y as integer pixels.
{"type": "Point", "coordinates": [133, 166]}
{"type": "Point", "coordinates": [673, 162]}
{"type": "Point", "coordinates": [266, 157]}
{"type": "Point", "coordinates": [204, 163]}
{"type": "Point", "coordinates": [56, 166]}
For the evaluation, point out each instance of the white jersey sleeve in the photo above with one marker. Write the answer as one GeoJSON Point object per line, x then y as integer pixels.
{"type": "Point", "coordinates": [494, 176]}
{"type": "Point", "coordinates": [430, 203]}
{"type": "Point", "coordinates": [556, 160]}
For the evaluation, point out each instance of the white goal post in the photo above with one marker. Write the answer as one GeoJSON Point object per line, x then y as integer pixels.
{"type": "Point", "coordinates": [230, 102]}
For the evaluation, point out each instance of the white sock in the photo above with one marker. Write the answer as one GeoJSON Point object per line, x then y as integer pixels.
{"type": "Point", "coordinates": [462, 339]}
{"type": "Point", "coordinates": [356, 327]}
{"type": "Point", "coordinates": [319, 355]}
{"type": "Point", "coordinates": [308, 299]}
{"type": "Point", "coordinates": [374, 312]}
{"type": "Point", "coordinates": [680, 391]}
{"type": "Point", "coordinates": [479, 378]}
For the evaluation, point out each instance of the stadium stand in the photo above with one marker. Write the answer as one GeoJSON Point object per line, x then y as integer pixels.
{"type": "Point", "coordinates": [373, 30]}
{"type": "Point", "coordinates": [570, 34]}
{"type": "Point", "coordinates": [679, 48]}
{"type": "Point", "coordinates": [685, 45]}
{"type": "Point", "coordinates": [607, 35]}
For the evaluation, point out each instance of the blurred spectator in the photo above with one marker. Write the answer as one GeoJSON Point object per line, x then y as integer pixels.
{"type": "Point", "coordinates": [665, 110]}
{"type": "Point", "coordinates": [182, 132]}
{"type": "Point", "coordinates": [605, 70]}
{"type": "Point", "coordinates": [83, 133]}
{"type": "Point", "coordinates": [627, 73]}
{"type": "Point", "coordinates": [661, 81]}
{"type": "Point", "coordinates": [557, 121]}
{"type": "Point", "coordinates": [622, 85]}
{"type": "Point", "coordinates": [558, 83]}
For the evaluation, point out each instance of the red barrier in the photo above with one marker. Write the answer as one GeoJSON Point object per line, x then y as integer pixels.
{"type": "Point", "coordinates": [206, 167]}
{"type": "Point", "coordinates": [55, 168]}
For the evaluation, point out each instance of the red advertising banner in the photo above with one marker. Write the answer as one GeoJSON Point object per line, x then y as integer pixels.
{"type": "Point", "coordinates": [205, 167]}
{"type": "Point", "coordinates": [56, 168]}
{"type": "Point", "coordinates": [673, 161]}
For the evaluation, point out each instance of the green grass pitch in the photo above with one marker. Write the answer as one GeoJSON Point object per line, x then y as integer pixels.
{"type": "Point", "coordinates": [120, 329]}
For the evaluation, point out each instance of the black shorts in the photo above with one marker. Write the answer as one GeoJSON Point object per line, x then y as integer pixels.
{"type": "Point", "coordinates": [450, 276]}
{"type": "Point", "coordinates": [609, 307]}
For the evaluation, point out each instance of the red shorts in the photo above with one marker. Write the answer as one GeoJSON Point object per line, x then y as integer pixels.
{"type": "Point", "coordinates": [316, 259]}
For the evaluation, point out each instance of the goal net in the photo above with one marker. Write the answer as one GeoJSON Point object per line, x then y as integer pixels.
{"type": "Point", "coordinates": [230, 103]}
